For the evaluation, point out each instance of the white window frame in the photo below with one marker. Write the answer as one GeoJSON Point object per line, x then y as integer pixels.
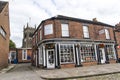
{"type": "Point", "coordinates": [65, 30]}
{"type": "Point", "coordinates": [24, 57]}
{"type": "Point", "coordinates": [48, 29]}
{"type": "Point", "coordinates": [86, 31]}
{"type": "Point", "coordinates": [107, 34]}
{"type": "Point", "coordinates": [60, 54]}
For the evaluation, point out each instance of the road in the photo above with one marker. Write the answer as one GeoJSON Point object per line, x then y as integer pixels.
{"type": "Point", "coordinates": [20, 72]}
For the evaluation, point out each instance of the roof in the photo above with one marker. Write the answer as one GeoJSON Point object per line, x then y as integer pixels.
{"type": "Point", "coordinates": [61, 17]}
{"type": "Point", "coordinates": [2, 5]}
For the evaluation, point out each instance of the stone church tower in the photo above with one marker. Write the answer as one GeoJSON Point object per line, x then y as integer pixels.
{"type": "Point", "coordinates": [27, 36]}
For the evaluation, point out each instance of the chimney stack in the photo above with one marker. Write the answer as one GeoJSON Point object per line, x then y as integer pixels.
{"type": "Point", "coordinates": [95, 19]}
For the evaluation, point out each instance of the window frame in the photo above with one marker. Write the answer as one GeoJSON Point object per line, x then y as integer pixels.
{"type": "Point", "coordinates": [65, 32]}
{"type": "Point", "coordinates": [48, 29]}
{"type": "Point", "coordinates": [87, 51]}
{"type": "Point", "coordinates": [86, 33]}
{"type": "Point", "coordinates": [107, 34]}
{"type": "Point", "coordinates": [24, 54]}
{"type": "Point", "coordinates": [2, 32]}
{"type": "Point", "coordinates": [67, 53]}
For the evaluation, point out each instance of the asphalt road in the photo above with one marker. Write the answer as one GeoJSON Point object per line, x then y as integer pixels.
{"type": "Point", "coordinates": [20, 72]}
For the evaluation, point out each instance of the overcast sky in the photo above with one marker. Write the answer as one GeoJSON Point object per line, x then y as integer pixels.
{"type": "Point", "coordinates": [34, 11]}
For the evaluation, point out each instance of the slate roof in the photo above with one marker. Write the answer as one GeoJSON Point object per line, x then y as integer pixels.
{"type": "Point", "coordinates": [61, 17]}
{"type": "Point", "coordinates": [2, 5]}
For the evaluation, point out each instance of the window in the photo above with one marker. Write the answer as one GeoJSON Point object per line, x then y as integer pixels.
{"type": "Point", "coordinates": [24, 54]}
{"type": "Point", "coordinates": [107, 34]}
{"type": "Point", "coordinates": [65, 31]}
{"type": "Point", "coordinates": [2, 32]}
{"type": "Point", "coordinates": [87, 53]}
{"type": "Point", "coordinates": [48, 29]}
{"type": "Point", "coordinates": [66, 53]}
{"type": "Point", "coordinates": [40, 34]}
{"type": "Point", "coordinates": [110, 51]}
{"type": "Point", "coordinates": [36, 38]}
{"type": "Point", "coordinates": [85, 32]}
{"type": "Point", "coordinates": [40, 55]}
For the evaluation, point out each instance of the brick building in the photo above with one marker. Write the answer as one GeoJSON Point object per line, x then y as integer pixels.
{"type": "Point", "coordinates": [24, 55]}
{"type": "Point", "coordinates": [117, 38]}
{"type": "Point", "coordinates": [63, 41]}
{"type": "Point", "coordinates": [4, 33]}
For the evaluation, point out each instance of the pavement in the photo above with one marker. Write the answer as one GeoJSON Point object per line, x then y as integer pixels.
{"type": "Point", "coordinates": [78, 72]}
{"type": "Point", "coordinates": [28, 72]}
{"type": "Point", "coordinates": [10, 67]}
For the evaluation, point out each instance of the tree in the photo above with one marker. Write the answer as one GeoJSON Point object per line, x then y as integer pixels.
{"type": "Point", "coordinates": [12, 44]}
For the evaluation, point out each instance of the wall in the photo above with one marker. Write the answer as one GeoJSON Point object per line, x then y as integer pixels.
{"type": "Point", "coordinates": [4, 42]}
{"type": "Point", "coordinates": [19, 52]}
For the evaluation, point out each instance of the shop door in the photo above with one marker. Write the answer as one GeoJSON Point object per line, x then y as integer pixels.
{"type": "Point", "coordinates": [50, 59]}
{"type": "Point", "coordinates": [102, 55]}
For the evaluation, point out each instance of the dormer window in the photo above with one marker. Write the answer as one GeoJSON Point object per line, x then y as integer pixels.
{"type": "Point", "coordinates": [48, 29]}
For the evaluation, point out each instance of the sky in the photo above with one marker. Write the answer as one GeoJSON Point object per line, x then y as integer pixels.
{"type": "Point", "coordinates": [34, 11]}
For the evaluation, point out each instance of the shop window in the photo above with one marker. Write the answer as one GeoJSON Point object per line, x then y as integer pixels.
{"type": "Point", "coordinates": [24, 54]}
{"type": "Point", "coordinates": [87, 52]}
{"type": "Point", "coordinates": [66, 53]}
{"type": "Point", "coordinates": [85, 32]}
{"type": "Point", "coordinates": [110, 51]}
{"type": "Point", "coordinates": [48, 29]}
{"type": "Point", "coordinates": [65, 30]}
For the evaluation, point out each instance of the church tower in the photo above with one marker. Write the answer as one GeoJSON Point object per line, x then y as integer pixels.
{"type": "Point", "coordinates": [27, 36]}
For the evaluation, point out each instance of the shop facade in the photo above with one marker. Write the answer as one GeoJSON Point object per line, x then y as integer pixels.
{"type": "Point", "coordinates": [63, 42]}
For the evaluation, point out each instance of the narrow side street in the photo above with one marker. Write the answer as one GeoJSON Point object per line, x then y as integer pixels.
{"type": "Point", "coordinates": [20, 72]}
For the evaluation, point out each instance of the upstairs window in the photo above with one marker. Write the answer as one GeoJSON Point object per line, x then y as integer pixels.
{"type": "Point", "coordinates": [2, 31]}
{"type": "Point", "coordinates": [85, 31]}
{"type": "Point", "coordinates": [40, 34]}
{"type": "Point", "coordinates": [65, 30]}
{"type": "Point", "coordinates": [48, 29]}
{"type": "Point", "coordinates": [107, 34]}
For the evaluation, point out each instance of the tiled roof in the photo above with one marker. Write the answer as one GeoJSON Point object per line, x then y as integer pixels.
{"type": "Point", "coordinates": [2, 5]}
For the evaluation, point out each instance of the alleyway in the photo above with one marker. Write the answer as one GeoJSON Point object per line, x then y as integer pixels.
{"type": "Point", "coordinates": [20, 72]}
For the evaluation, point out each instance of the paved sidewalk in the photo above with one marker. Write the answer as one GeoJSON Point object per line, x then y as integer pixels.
{"type": "Point", "coordinates": [78, 72]}
{"type": "Point", "coordinates": [10, 66]}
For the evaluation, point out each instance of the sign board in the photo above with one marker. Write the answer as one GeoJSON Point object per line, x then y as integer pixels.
{"type": "Point", "coordinates": [102, 31]}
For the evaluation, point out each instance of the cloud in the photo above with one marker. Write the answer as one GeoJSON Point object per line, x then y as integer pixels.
{"type": "Point", "coordinates": [21, 11]}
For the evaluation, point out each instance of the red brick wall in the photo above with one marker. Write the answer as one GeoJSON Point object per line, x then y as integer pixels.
{"type": "Point", "coordinates": [29, 53]}
{"type": "Point", "coordinates": [76, 30]}
{"type": "Point", "coordinates": [4, 42]}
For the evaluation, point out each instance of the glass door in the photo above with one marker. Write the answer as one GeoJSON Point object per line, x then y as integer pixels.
{"type": "Point", "coordinates": [50, 59]}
